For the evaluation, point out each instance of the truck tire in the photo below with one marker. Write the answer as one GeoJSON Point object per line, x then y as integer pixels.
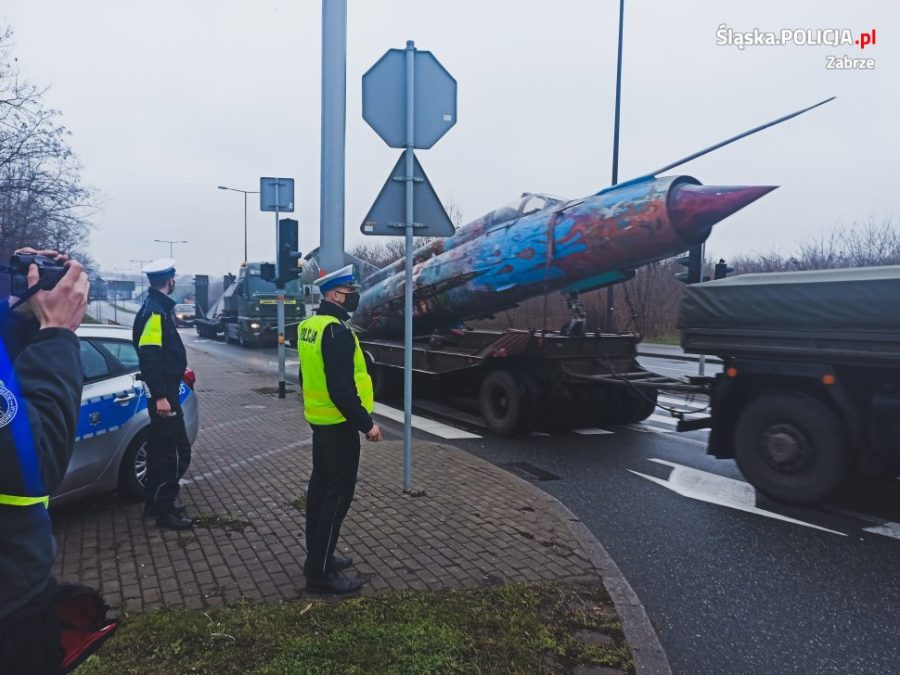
{"type": "Point", "coordinates": [244, 341]}
{"type": "Point", "coordinates": [387, 382]}
{"type": "Point", "coordinates": [792, 448]}
{"type": "Point", "coordinates": [624, 405]}
{"type": "Point", "coordinates": [502, 401]}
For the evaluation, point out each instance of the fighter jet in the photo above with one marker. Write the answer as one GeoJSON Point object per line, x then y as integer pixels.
{"type": "Point", "coordinates": [542, 244]}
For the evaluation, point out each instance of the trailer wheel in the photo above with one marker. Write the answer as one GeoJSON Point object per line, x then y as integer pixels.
{"type": "Point", "coordinates": [558, 411]}
{"type": "Point", "coordinates": [387, 382]}
{"type": "Point", "coordinates": [624, 405]}
{"type": "Point", "coordinates": [792, 448]}
{"type": "Point", "coordinates": [502, 402]}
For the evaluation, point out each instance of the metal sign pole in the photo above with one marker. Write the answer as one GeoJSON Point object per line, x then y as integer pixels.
{"type": "Point", "coordinates": [701, 368]}
{"type": "Point", "coordinates": [408, 291]}
{"type": "Point", "coordinates": [280, 287]}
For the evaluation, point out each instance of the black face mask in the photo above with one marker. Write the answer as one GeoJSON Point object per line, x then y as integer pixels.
{"type": "Point", "coordinates": [351, 301]}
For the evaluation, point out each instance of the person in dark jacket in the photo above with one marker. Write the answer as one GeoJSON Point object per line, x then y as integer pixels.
{"type": "Point", "coordinates": [40, 399]}
{"type": "Point", "coordinates": [337, 403]}
{"type": "Point", "coordinates": [163, 361]}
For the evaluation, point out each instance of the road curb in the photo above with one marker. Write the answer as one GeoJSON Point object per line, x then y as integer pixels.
{"type": "Point", "coordinates": [649, 656]}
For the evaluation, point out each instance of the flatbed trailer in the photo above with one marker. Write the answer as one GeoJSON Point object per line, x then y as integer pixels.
{"type": "Point", "coordinates": [809, 396]}
{"type": "Point", "coordinates": [526, 380]}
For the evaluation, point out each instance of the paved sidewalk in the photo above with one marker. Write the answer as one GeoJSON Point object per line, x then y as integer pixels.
{"type": "Point", "coordinates": [468, 523]}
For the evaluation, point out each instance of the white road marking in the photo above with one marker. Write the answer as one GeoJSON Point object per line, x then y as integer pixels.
{"type": "Point", "coordinates": [592, 431]}
{"type": "Point", "coordinates": [664, 419]}
{"type": "Point", "coordinates": [886, 529]}
{"type": "Point", "coordinates": [649, 429]}
{"type": "Point", "coordinates": [424, 424]}
{"type": "Point", "coordinates": [720, 490]}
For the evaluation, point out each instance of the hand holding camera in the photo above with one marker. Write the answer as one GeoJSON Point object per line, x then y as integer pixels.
{"type": "Point", "coordinates": [62, 300]}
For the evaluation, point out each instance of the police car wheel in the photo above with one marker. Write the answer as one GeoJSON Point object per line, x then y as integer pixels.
{"type": "Point", "coordinates": [133, 469]}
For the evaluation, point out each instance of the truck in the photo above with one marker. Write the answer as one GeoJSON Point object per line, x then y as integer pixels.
{"type": "Point", "coordinates": [246, 312]}
{"type": "Point", "coordinates": [809, 395]}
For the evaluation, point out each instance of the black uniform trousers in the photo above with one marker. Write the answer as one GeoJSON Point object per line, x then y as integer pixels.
{"type": "Point", "coordinates": [168, 453]}
{"type": "Point", "coordinates": [331, 487]}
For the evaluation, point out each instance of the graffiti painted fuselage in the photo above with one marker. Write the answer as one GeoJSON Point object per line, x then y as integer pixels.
{"type": "Point", "coordinates": [544, 244]}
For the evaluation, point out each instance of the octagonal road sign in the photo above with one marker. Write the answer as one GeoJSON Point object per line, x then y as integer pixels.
{"type": "Point", "coordinates": [384, 99]}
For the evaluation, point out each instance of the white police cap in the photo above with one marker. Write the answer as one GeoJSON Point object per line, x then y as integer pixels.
{"type": "Point", "coordinates": [161, 268]}
{"type": "Point", "coordinates": [341, 277]}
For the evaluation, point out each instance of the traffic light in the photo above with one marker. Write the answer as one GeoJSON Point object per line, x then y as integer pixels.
{"type": "Point", "coordinates": [288, 253]}
{"type": "Point", "coordinates": [722, 270]}
{"type": "Point", "coordinates": [694, 263]}
{"type": "Point", "coordinates": [267, 271]}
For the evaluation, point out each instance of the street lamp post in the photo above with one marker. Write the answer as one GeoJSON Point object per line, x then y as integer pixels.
{"type": "Point", "coordinates": [141, 272]}
{"type": "Point", "coordinates": [245, 193]}
{"type": "Point", "coordinates": [171, 242]}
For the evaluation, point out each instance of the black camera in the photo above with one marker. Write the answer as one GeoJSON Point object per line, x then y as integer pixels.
{"type": "Point", "coordinates": [50, 270]}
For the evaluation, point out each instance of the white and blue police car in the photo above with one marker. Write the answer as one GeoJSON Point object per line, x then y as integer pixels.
{"type": "Point", "coordinates": [111, 439]}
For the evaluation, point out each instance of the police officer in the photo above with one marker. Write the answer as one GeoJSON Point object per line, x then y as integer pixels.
{"type": "Point", "coordinates": [337, 402]}
{"type": "Point", "coordinates": [163, 362]}
{"type": "Point", "coordinates": [40, 398]}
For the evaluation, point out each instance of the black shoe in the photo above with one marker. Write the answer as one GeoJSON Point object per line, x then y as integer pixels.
{"type": "Point", "coordinates": [174, 521]}
{"type": "Point", "coordinates": [151, 511]}
{"type": "Point", "coordinates": [334, 584]}
{"type": "Point", "coordinates": [335, 564]}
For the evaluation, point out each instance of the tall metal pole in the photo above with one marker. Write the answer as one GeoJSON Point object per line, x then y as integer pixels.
{"type": "Point", "coordinates": [245, 226]}
{"type": "Point", "coordinates": [408, 304]}
{"type": "Point", "coordinates": [610, 290]}
{"type": "Point", "coordinates": [280, 287]}
{"type": "Point", "coordinates": [701, 367]}
{"type": "Point", "coordinates": [334, 123]}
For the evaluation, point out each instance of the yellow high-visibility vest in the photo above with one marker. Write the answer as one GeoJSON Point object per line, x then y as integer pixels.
{"type": "Point", "coordinates": [15, 500]}
{"type": "Point", "coordinates": [317, 405]}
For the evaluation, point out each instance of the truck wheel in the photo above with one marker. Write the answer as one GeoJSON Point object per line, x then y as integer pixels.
{"type": "Point", "coordinates": [244, 341]}
{"type": "Point", "coordinates": [133, 468]}
{"type": "Point", "coordinates": [624, 405]}
{"type": "Point", "coordinates": [502, 402]}
{"type": "Point", "coordinates": [792, 448]}
{"type": "Point", "coordinates": [387, 382]}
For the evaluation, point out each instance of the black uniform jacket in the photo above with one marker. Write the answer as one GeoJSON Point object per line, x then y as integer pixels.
{"type": "Point", "coordinates": [160, 349]}
{"type": "Point", "coordinates": [40, 399]}
{"type": "Point", "coordinates": [338, 347]}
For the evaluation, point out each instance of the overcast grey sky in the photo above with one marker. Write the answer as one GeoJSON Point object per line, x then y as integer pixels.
{"type": "Point", "coordinates": [167, 100]}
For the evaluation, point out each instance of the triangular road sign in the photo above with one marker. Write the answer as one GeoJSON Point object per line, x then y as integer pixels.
{"type": "Point", "coordinates": [388, 214]}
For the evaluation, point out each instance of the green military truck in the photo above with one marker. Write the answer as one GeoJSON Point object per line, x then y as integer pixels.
{"type": "Point", "coordinates": [809, 396]}
{"type": "Point", "coordinates": [247, 312]}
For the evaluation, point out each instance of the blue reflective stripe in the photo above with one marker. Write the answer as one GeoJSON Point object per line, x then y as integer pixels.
{"type": "Point", "coordinates": [20, 428]}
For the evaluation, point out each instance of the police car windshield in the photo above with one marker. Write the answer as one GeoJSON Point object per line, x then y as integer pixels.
{"type": "Point", "coordinates": [259, 286]}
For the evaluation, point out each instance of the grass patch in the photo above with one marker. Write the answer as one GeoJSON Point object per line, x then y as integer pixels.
{"type": "Point", "coordinates": [89, 319]}
{"type": "Point", "coordinates": [226, 522]}
{"type": "Point", "coordinates": [506, 629]}
{"type": "Point", "coordinates": [299, 503]}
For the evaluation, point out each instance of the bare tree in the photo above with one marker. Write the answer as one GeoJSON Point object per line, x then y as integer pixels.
{"type": "Point", "coordinates": [43, 201]}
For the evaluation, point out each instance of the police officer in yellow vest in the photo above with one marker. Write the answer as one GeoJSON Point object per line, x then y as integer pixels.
{"type": "Point", "coordinates": [337, 402]}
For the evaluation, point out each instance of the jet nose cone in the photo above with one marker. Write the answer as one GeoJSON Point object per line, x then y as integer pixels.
{"type": "Point", "coordinates": [694, 209]}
